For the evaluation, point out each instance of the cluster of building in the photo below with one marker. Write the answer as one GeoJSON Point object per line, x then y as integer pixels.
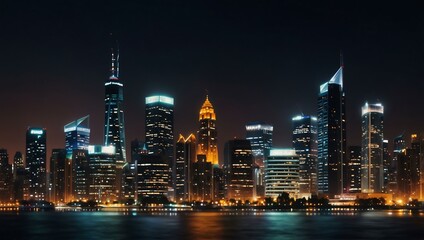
{"type": "Point", "coordinates": [188, 168]}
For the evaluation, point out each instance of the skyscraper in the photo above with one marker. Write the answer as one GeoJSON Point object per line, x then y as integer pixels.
{"type": "Point", "coordinates": [305, 143]}
{"type": "Point", "coordinates": [114, 132]}
{"type": "Point", "coordinates": [202, 179]}
{"type": "Point", "coordinates": [207, 134]}
{"type": "Point", "coordinates": [372, 168]}
{"type": "Point", "coordinates": [238, 162]}
{"type": "Point", "coordinates": [6, 177]}
{"type": "Point", "coordinates": [77, 135]}
{"type": "Point", "coordinates": [281, 172]}
{"type": "Point", "coordinates": [61, 176]}
{"type": "Point", "coordinates": [81, 174]}
{"type": "Point", "coordinates": [36, 162]}
{"type": "Point", "coordinates": [152, 177]}
{"type": "Point", "coordinates": [399, 145]}
{"type": "Point", "coordinates": [260, 136]}
{"type": "Point", "coordinates": [331, 135]}
{"type": "Point", "coordinates": [184, 159]}
{"type": "Point", "coordinates": [20, 178]}
{"type": "Point", "coordinates": [160, 130]}
{"type": "Point", "coordinates": [386, 164]}
{"type": "Point", "coordinates": [408, 175]}
{"type": "Point", "coordinates": [354, 169]}
{"type": "Point", "coordinates": [102, 173]}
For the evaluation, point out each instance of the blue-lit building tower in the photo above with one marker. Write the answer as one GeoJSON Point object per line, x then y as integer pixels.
{"type": "Point", "coordinates": [160, 130]}
{"type": "Point", "coordinates": [114, 132]}
{"type": "Point", "coordinates": [36, 163]}
{"type": "Point", "coordinates": [304, 140]}
{"type": "Point", "coordinates": [77, 135]}
{"type": "Point", "coordinates": [331, 136]}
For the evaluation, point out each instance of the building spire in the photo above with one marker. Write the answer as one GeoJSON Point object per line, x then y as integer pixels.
{"type": "Point", "coordinates": [112, 70]}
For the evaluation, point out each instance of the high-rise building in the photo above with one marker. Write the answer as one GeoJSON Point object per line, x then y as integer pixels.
{"type": "Point", "coordinates": [152, 176]}
{"type": "Point", "coordinates": [305, 143]}
{"type": "Point", "coordinates": [36, 163]}
{"type": "Point", "coordinates": [114, 131]}
{"type": "Point", "coordinates": [81, 174]}
{"type": "Point", "coordinates": [61, 178]}
{"type": "Point", "coordinates": [281, 172]}
{"type": "Point", "coordinates": [77, 135]}
{"type": "Point", "coordinates": [260, 136]}
{"type": "Point", "coordinates": [207, 135]}
{"type": "Point", "coordinates": [238, 162]}
{"type": "Point", "coordinates": [202, 179]}
{"type": "Point", "coordinates": [6, 177]}
{"type": "Point", "coordinates": [331, 135]}
{"type": "Point", "coordinates": [408, 175]}
{"type": "Point", "coordinates": [160, 130]}
{"type": "Point", "coordinates": [102, 173]}
{"type": "Point", "coordinates": [354, 169]}
{"type": "Point", "coordinates": [20, 178]}
{"type": "Point", "coordinates": [399, 145]}
{"type": "Point", "coordinates": [372, 168]}
{"type": "Point", "coordinates": [417, 145]}
{"type": "Point", "coordinates": [386, 164]}
{"type": "Point", "coordinates": [185, 156]}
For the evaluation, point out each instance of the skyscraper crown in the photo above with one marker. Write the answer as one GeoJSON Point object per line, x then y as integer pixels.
{"type": "Point", "coordinates": [207, 111]}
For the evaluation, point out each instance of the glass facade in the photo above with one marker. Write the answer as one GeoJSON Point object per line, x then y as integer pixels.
{"type": "Point", "coordinates": [77, 135]}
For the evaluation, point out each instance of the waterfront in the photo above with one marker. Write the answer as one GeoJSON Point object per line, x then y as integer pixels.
{"type": "Point", "coordinates": [392, 224]}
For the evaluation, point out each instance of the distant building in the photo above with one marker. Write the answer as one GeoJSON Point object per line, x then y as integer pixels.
{"type": "Point", "coordinates": [61, 177]}
{"type": "Point", "coordinates": [331, 136]}
{"type": "Point", "coordinates": [160, 130]}
{"type": "Point", "coordinates": [207, 139]}
{"type": "Point", "coordinates": [399, 145]}
{"type": "Point", "coordinates": [372, 168]}
{"type": "Point", "coordinates": [354, 169]}
{"type": "Point", "coordinates": [36, 163]}
{"type": "Point", "coordinates": [6, 177]}
{"type": "Point", "coordinates": [238, 171]}
{"type": "Point", "coordinates": [77, 135]}
{"type": "Point", "coordinates": [152, 176]}
{"type": "Point", "coordinates": [386, 164]}
{"type": "Point", "coordinates": [408, 175]}
{"type": "Point", "coordinates": [20, 178]}
{"type": "Point", "coordinates": [282, 172]}
{"type": "Point", "coordinates": [185, 157]}
{"type": "Point", "coordinates": [81, 176]}
{"type": "Point", "coordinates": [305, 143]}
{"type": "Point", "coordinates": [102, 173]}
{"type": "Point", "coordinates": [202, 179]}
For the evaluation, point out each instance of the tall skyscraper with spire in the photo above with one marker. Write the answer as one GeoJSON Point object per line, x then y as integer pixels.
{"type": "Point", "coordinates": [114, 111]}
{"type": "Point", "coordinates": [207, 134]}
{"type": "Point", "coordinates": [331, 135]}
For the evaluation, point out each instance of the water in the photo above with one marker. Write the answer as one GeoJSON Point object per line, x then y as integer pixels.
{"type": "Point", "coordinates": [212, 225]}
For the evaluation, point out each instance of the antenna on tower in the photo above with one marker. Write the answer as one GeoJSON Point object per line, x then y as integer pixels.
{"type": "Point", "coordinates": [112, 70]}
{"type": "Point", "coordinates": [117, 59]}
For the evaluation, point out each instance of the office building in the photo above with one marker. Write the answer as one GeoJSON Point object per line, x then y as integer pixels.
{"type": "Point", "coordinates": [61, 179]}
{"type": "Point", "coordinates": [6, 177]}
{"type": "Point", "coordinates": [202, 179]}
{"type": "Point", "coordinates": [354, 169]}
{"type": "Point", "coordinates": [81, 176]}
{"type": "Point", "coordinates": [207, 140]}
{"type": "Point", "coordinates": [102, 173]}
{"type": "Point", "coordinates": [20, 178]}
{"type": "Point", "coordinates": [152, 177]}
{"type": "Point", "coordinates": [36, 163]}
{"type": "Point", "coordinates": [185, 156]}
{"type": "Point", "coordinates": [77, 135]}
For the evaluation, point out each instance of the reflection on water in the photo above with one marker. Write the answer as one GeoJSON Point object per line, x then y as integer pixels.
{"type": "Point", "coordinates": [213, 225]}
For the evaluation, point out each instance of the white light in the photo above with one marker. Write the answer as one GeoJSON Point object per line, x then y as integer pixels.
{"type": "Point", "coordinates": [108, 149]}
{"type": "Point", "coordinates": [369, 108]}
{"type": "Point", "coordinates": [114, 83]}
{"type": "Point", "coordinates": [282, 152]}
{"type": "Point", "coordinates": [163, 99]}
{"type": "Point", "coordinates": [259, 127]}
{"type": "Point", "coordinates": [34, 131]}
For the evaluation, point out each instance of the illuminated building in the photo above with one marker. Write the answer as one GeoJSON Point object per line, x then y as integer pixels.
{"type": "Point", "coordinates": [238, 162]}
{"type": "Point", "coordinates": [6, 177]}
{"type": "Point", "coordinates": [281, 172]}
{"type": "Point", "coordinates": [354, 169]}
{"type": "Point", "coordinates": [372, 168]}
{"type": "Point", "coordinates": [77, 135]}
{"type": "Point", "coordinates": [408, 174]}
{"type": "Point", "coordinates": [207, 134]}
{"type": "Point", "coordinates": [61, 178]}
{"type": "Point", "coordinates": [305, 143]}
{"type": "Point", "coordinates": [152, 176]}
{"type": "Point", "coordinates": [81, 174]}
{"type": "Point", "coordinates": [185, 156]}
{"type": "Point", "coordinates": [331, 135]}
{"type": "Point", "coordinates": [260, 136]}
{"type": "Point", "coordinates": [399, 145]}
{"type": "Point", "coordinates": [20, 178]}
{"type": "Point", "coordinates": [386, 164]}
{"type": "Point", "coordinates": [160, 130]}
{"type": "Point", "coordinates": [417, 145]}
{"type": "Point", "coordinates": [130, 170]}
{"type": "Point", "coordinates": [102, 173]}
{"type": "Point", "coordinates": [202, 179]}
{"type": "Point", "coordinates": [114, 131]}
{"type": "Point", "coordinates": [36, 163]}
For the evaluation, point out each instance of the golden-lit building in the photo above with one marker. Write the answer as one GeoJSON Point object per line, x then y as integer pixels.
{"type": "Point", "coordinates": [207, 134]}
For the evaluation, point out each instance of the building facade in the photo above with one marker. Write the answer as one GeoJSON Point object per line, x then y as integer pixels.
{"type": "Point", "coordinates": [184, 159]}
{"type": "Point", "coordinates": [61, 177]}
{"type": "Point", "coordinates": [152, 176]}
{"type": "Point", "coordinates": [6, 177]}
{"type": "Point", "coordinates": [36, 163]}
{"type": "Point", "coordinates": [331, 136]}
{"type": "Point", "coordinates": [354, 169]}
{"type": "Point", "coordinates": [304, 138]}
{"type": "Point", "coordinates": [207, 140]}
{"type": "Point", "coordinates": [102, 173]}
{"type": "Point", "coordinates": [77, 135]}
{"type": "Point", "coordinates": [281, 173]}
{"type": "Point", "coordinates": [372, 167]}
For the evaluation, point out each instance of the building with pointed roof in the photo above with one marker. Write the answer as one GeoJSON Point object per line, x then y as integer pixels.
{"type": "Point", "coordinates": [77, 135]}
{"type": "Point", "coordinates": [207, 134]}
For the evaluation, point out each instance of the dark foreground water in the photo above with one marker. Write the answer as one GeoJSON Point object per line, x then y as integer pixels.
{"type": "Point", "coordinates": [212, 225]}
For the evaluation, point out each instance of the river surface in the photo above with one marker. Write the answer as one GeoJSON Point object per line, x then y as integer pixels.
{"type": "Point", "coordinates": [401, 224]}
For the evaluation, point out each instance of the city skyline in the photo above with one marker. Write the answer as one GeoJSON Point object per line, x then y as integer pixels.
{"type": "Point", "coordinates": [258, 58]}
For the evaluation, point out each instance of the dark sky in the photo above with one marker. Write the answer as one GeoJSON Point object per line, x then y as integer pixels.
{"type": "Point", "coordinates": [259, 60]}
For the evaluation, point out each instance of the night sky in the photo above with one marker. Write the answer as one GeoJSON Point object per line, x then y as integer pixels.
{"type": "Point", "coordinates": [259, 60]}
